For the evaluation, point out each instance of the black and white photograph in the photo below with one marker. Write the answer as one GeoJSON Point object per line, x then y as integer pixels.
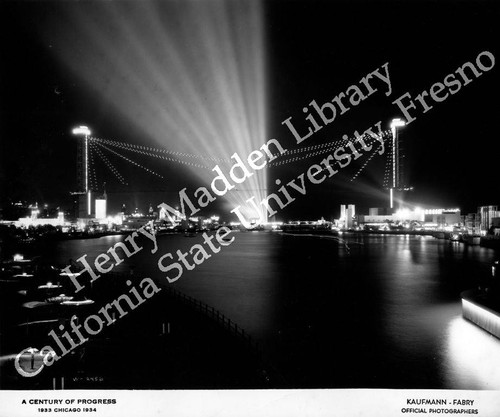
{"type": "Point", "coordinates": [249, 207]}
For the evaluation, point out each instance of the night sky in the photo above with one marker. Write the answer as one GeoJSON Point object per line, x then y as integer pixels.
{"type": "Point", "coordinates": [314, 50]}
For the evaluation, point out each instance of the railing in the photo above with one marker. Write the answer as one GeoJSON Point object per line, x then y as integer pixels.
{"type": "Point", "coordinates": [223, 321]}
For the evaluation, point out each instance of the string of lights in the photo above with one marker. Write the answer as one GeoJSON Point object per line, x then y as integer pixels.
{"type": "Point", "coordinates": [313, 147]}
{"type": "Point", "coordinates": [148, 150]}
{"type": "Point", "coordinates": [388, 168]}
{"type": "Point", "coordinates": [360, 170]}
{"type": "Point", "coordinates": [93, 176]}
{"type": "Point", "coordinates": [111, 167]}
{"type": "Point", "coordinates": [129, 160]}
{"type": "Point", "coordinates": [330, 144]}
{"type": "Point", "coordinates": [166, 158]}
{"type": "Point", "coordinates": [313, 150]}
{"type": "Point", "coordinates": [335, 145]}
{"type": "Point", "coordinates": [326, 147]}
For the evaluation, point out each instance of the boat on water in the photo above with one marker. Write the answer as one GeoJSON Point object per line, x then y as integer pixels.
{"type": "Point", "coordinates": [16, 269]}
{"type": "Point", "coordinates": [32, 285]}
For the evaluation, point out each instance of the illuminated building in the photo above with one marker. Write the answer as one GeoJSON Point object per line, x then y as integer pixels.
{"type": "Point", "coordinates": [428, 219]}
{"type": "Point", "coordinates": [486, 215]}
{"type": "Point", "coordinates": [472, 224]}
{"type": "Point", "coordinates": [100, 208]}
{"type": "Point", "coordinates": [347, 213]}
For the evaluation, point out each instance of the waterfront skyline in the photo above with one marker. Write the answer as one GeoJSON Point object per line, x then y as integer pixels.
{"type": "Point", "coordinates": [450, 150]}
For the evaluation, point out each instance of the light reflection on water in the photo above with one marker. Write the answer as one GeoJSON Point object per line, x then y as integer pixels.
{"type": "Point", "coordinates": [383, 313]}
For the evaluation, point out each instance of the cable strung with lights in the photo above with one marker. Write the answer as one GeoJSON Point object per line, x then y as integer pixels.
{"type": "Point", "coordinates": [93, 176]}
{"type": "Point", "coordinates": [129, 160]}
{"type": "Point", "coordinates": [108, 163]}
{"type": "Point", "coordinates": [330, 144]}
{"type": "Point", "coordinates": [145, 149]}
{"type": "Point", "coordinates": [374, 153]}
{"type": "Point", "coordinates": [312, 147]}
{"type": "Point", "coordinates": [327, 147]}
{"type": "Point", "coordinates": [333, 145]}
{"type": "Point", "coordinates": [165, 158]}
{"type": "Point", "coordinates": [388, 169]}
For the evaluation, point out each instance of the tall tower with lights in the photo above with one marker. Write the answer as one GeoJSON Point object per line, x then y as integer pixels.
{"type": "Point", "coordinates": [397, 181]}
{"type": "Point", "coordinates": [83, 192]}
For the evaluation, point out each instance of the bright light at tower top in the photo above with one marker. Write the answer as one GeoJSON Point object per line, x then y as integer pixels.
{"type": "Point", "coordinates": [397, 123]}
{"type": "Point", "coordinates": [81, 130]}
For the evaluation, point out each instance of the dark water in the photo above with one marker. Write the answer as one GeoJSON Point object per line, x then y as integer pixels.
{"type": "Point", "coordinates": [381, 312]}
